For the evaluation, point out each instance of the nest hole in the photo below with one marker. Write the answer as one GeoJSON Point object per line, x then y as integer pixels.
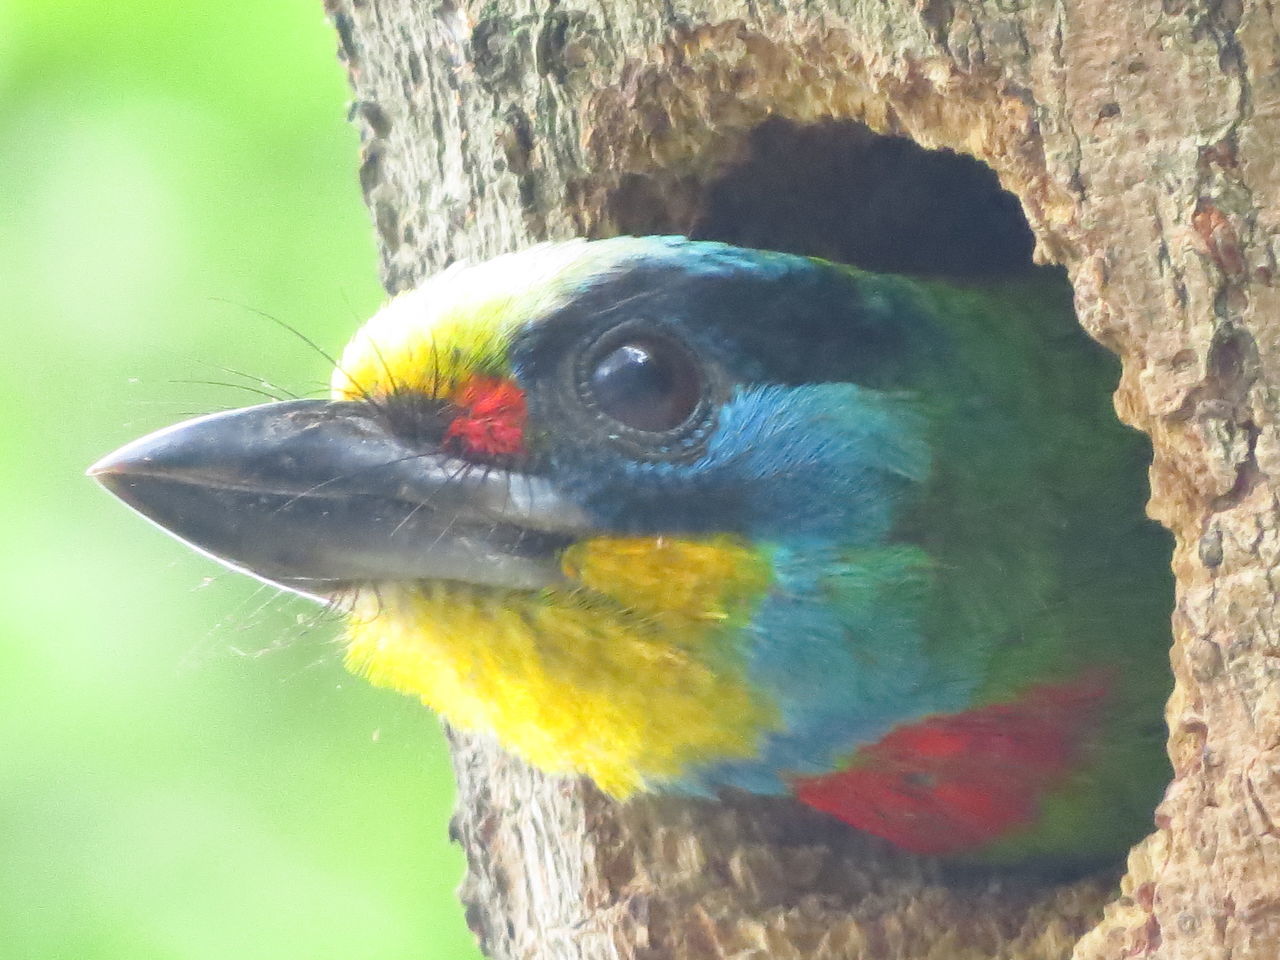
{"type": "Point", "coordinates": [837, 190]}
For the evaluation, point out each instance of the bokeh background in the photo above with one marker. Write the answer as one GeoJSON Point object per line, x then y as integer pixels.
{"type": "Point", "coordinates": [185, 769]}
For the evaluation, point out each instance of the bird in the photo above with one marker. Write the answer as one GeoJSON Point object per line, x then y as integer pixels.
{"type": "Point", "coordinates": [687, 518]}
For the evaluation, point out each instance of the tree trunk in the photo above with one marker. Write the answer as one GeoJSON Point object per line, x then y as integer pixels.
{"type": "Point", "coordinates": [1143, 144]}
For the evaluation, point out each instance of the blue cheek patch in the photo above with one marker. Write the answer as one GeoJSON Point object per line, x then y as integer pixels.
{"type": "Point", "coordinates": [825, 461]}
{"type": "Point", "coordinates": [822, 461]}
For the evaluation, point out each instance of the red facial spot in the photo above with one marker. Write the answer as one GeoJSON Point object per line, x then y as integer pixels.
{"type": "Point", "coordinates": [957, 782]}
{"type": "Point", "coordinates": [490, 420]}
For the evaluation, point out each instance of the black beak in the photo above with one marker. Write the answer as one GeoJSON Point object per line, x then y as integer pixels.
{"type": "Point", "coordinates": [317, 496]}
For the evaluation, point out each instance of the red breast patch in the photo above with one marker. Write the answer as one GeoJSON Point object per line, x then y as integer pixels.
{"type": "Point", "coordinates": [957, 782]}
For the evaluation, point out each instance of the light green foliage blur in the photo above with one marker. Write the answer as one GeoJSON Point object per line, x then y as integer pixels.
{"type": "Point", "coordinates": [185, 769]}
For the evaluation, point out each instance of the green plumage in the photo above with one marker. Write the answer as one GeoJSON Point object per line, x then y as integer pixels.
{"type": "Point", "coordinates": [1046, 567]}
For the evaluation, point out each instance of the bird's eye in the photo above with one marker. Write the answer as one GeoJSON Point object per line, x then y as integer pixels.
{"type": "Point", "coordinates": [646, 383]}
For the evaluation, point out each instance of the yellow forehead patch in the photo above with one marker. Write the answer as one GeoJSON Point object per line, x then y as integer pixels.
{"type": "Point", "coordinates": [631, 678]}
{"type": "Point", "coordinates": [460, 322]}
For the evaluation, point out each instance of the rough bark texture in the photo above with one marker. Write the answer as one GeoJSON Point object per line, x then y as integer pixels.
{"type": "Point", "coordinates": [1143, 142]}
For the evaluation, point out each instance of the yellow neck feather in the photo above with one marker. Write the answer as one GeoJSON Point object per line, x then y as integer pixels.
{"type": "Point", "coordinates": [630, 678]}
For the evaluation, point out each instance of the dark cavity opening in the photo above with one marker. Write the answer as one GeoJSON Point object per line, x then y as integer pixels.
{"type": "Point", "coordinates": [839, 191]}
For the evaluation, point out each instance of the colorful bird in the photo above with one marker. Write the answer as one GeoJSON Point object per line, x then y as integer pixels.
{"type": "Point", "coordinates": [679, 516]}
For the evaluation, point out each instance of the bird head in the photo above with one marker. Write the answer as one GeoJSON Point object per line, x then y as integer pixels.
{"type": "Point", "coordinates": [587, 497]}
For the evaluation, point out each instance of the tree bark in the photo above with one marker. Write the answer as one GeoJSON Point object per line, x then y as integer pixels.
{"type": "Point", "coordinates": [1142, 141]}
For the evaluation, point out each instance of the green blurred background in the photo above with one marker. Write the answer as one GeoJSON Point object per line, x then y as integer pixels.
{"type": "Point", "coordinates": [185, 769]}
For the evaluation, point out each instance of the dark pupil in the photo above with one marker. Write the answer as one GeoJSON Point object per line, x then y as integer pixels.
{"type": "Point", "coordinates": [647, 385]}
